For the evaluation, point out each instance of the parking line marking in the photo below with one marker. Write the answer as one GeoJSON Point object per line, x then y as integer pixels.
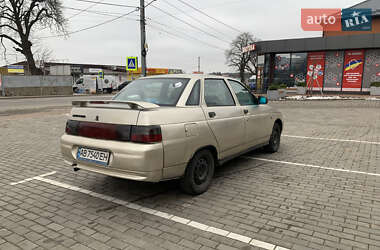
{"type": "Point", "coordinates": [311, 166]}
{"type": "Point", "coordinates": [164, 215]}
{"type": "Point", "coordinates": [263, 244]}
{"type": "Point", "coordinates": [32, 178]}
{"type": "Point", "coordinates": [331, 139]}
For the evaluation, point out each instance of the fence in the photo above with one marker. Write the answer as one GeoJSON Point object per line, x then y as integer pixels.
{"type": "Point", "coordinates": [36, 85]}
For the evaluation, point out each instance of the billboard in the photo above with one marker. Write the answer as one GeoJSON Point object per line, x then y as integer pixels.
{"type": "Point", "coordinates": [18, 69]}
{"type": "Point", "coordinates": [315, 70]}
{"type": "Point", "coordinates": [353, 70]}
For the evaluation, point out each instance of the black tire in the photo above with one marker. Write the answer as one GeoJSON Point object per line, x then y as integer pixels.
{"type": "Point", "coordinates": [275, 139]}
{"type": "Point", "coordinates": [199, 173]}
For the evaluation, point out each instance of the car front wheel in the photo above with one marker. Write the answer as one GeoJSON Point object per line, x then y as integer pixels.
{"type": "Point", "coordinates": [199, 173]}
{"type": "Point", "coordinates": [275, 139]}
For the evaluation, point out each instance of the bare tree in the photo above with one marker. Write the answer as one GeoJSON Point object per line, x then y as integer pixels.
{"type": "Point", "coordinates": [19, 18]}
{"type": "Point", "coordinates": [43, 54]}
{"type": "Point", "coordinates": [242, 62]}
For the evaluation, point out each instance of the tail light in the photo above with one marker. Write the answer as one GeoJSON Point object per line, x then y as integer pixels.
{"type": "Point", "coordinates": [146, 134]}
{"type": "Point", "coordinates": [105, 131]}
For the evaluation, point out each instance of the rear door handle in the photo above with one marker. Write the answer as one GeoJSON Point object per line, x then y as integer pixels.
{"type": "Point", "coordinates": [211, 114]}
{"type": "Point", "coordinates": [245, 111]}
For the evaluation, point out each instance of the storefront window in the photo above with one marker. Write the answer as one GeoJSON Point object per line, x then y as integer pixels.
{"type": "Point", "coordinates": [282, 69]}
{"type": "Point", "coordinates": [298, 68]}
{"type": "Point", "coordinates": [267, 67]}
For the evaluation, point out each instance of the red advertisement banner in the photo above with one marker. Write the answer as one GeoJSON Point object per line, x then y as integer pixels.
{"type": "Point", "coordinates": [353, 70]}
{"type": "Point", "coordinates": [315, 70]}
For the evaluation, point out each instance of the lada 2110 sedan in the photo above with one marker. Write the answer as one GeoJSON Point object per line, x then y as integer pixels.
{"type": "Point", "coordinates": [172, 126]}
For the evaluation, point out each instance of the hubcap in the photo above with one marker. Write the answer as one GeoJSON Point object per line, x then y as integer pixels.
{"type": "Point", "coordinates": [201, 171]}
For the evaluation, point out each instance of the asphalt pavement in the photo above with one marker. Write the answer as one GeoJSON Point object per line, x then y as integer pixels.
{"type": "Point", "coordinates": [320, 191]}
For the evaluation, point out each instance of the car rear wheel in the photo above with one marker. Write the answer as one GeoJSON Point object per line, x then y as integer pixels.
{"type": "Point", "coordinates": [199, 173]}
{"type": "Point", "coordinates": [275, 139]}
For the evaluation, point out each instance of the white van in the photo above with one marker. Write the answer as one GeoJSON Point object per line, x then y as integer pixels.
{"type": "Point", "coordinates": [94, 84]}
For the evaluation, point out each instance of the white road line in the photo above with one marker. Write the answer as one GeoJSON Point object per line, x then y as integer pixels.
{"type": "Point", "coordinates": [330, 139]}
{"type": "Point", "coordinates": [167, 216]}
{"type": "Point", "coordinates": [32, 178]}
{"type": "Point", "coordinates": [311, 166]}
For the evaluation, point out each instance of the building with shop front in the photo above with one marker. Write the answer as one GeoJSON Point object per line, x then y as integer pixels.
{"type": "Point", "coordinates": [339, 61]}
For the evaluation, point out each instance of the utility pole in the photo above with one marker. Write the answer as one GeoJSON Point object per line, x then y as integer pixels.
{"type": "Point", "coordinates": [143, 37]}
{"type": "Point", "coordinates": [199, 64]}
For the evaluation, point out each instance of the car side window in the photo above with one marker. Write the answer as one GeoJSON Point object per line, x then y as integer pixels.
{"type": "Point", "coordinates": [242, 93]}
{"type": "Point", "coordinates": [193, 99]}
{"type": "Point", "coordinates": [217, 93]}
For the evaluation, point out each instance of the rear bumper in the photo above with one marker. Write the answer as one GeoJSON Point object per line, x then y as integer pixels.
{"type": "Point", "coordinates": [134, 161]}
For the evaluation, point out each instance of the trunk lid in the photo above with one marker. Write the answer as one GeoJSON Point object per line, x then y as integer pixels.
{"type": "Point", "coordinates": [114, 112]}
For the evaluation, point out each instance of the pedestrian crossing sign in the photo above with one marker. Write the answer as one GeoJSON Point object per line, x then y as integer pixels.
{"type": "Point", "coordinates": [132, 63]}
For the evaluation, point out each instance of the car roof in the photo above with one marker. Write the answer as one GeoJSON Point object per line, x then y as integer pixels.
{"type": "Point", "coordinates": [196, 76]}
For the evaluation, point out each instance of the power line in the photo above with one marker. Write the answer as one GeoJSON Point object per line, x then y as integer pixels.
{"type": "Point", "coordinates": [213, 18]}
{"type": "Point", "coordinates": [181, 33]}
{"type": "Point", "coordinates": [193, 18]}
{"type": "Point", "coordinates": [149, 3]}
{"type": "Point", "coordinates": [103, 13]}
{"type": "Point", "coordinates": [110, 4]}
{"type": "Point", "coordinates": [93, 26]}
{"type": "Point", "coordinates": [189, 24]}
{"type": "Point", "coordinates": [177, 36]}
{"type": "Point", "coordinates": [99, 24]}
{"type": "Point", "coordinates": [84, 10]}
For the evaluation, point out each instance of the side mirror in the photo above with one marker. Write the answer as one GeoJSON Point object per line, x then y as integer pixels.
{"type": "Point", "coordinates": [263, 100]}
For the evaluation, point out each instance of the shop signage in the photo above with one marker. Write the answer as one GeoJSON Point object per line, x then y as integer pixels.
{"type": "Point", "coordinates": [315, 69]}
{"type": "Point", "coordinates": [353, 70]}
{"type": "Point", "coordinates": [249, 48]}
{"type": "Point", "coordinates": [94, 70]}
{"type": "Point", "coordinates": [16, 69]}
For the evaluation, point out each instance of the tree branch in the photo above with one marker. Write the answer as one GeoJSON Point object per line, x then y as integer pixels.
{"type": "Point", "coordinates": [29, 27]}
{"type": "Point", "coordinates": [11, 39]}
{"type": "Point", "coordinates": [8, 26]}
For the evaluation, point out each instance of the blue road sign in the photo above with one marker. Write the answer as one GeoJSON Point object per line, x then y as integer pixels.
{"type": "Point", "coordinates": [132, 64]}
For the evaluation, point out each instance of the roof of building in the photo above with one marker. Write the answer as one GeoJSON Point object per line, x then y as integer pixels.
{"type": "Point", "coordinates": [369, 4]}
{"type": "Point", "coordinates": [366, 41]}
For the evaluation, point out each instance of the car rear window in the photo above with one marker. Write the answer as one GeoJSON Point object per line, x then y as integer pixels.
{"type": "Point", "coordinates": [160, 91]}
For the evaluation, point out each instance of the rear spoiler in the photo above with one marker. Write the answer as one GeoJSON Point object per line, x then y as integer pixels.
{"type": "Point", "coordinates": [132, 105]}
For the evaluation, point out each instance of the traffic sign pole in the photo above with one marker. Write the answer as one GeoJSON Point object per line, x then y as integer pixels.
{"type": "Point", "coordinates": [143, 37]}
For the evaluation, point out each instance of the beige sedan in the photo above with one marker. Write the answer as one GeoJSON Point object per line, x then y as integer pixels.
{"type": "Point", "coordinates": [167, 127]}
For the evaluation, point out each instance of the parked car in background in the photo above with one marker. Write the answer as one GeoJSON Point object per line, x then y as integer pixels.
{"type": "Point", "coordinates": [122, 85]}
{"type": "Point", "coordinates": [252, 83]}
{"type": "Point", "coordinates": [168, 127]}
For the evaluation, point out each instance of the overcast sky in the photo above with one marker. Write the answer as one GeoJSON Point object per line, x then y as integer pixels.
{"type": "Point", "coordinates": [113, 42]}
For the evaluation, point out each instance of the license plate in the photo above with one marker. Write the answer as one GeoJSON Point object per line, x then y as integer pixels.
{"type": "Point", "coordinates": [93, 155]}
